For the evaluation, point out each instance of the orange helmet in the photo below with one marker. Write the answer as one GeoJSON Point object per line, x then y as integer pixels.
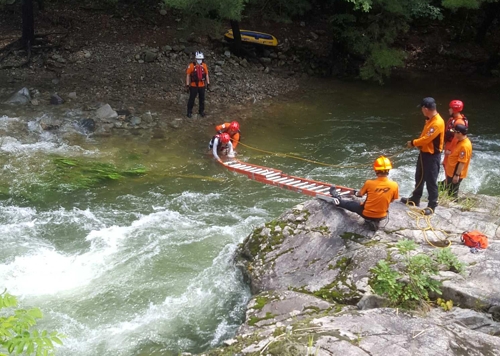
{"type": "Point", "coordinates": [234, 126]}
{"type": "Point", "coordinates": [382, 164]}
{"type": "Point", "coordinates": [456, 105]}
{"type": "Point", "coordinates": [225, 138]}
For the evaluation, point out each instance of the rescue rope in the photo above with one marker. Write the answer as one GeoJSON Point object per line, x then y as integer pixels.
{"type": "Point", "coordinates": [316, 162]}
{"type": "Point", "coordinates": [419, 215]}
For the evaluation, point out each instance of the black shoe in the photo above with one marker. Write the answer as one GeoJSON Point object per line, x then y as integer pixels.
{"type": "Point", "coordinates": [334, 193]}
{"type": "Point", "coordinates": [189, 115]}
{"type": "Point", "coordinates": [202, 114]}
{"type": "Point", "coordinates": [428, 211]}
{"type": "Point", "coordinates": [408, 201]}
{"type": "Point", "coordinates": [372, 225]}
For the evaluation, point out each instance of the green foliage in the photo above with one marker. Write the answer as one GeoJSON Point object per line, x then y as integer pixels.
{"type": "Point", "coordinates": [410, 285]}
{"type": "Point", "coordinates": [468, 4]}
{"type": "Point", "coordinates": [16, 330]}
{"type": "Point", "coordinates": [281, 10]}
{"type": "Point", "coordinates": [380, 63]}
{"type": "Point", "coordinates": [446, 305]}
{"type": "Point", "coordinates": [225, 9]}
{"type": "Point", "coordinates": [370, 34]}
{"type": "Point", "coordinates": [445, 257]}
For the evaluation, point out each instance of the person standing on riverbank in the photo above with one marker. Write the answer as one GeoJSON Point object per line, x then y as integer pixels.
{"type": "Point", "coordinates": [197, 79]}
{"type": "Point", "coordinates": [458, 161]}
{"type": "Point", "coordinates": [456, 118]}
{"type": "Point", "coordinates": [233, 129]}
{"type": "Point", "coordinates": [430, 144]}
{"type": "Point", "coordinates": [379, 192]}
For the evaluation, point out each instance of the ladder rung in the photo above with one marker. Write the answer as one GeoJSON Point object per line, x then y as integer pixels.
{"type": "Point", "coordinates": [302, 184]}
{"type": "Point", "coordinates": [309, 186]}
{"type": "Point", "coordinates": [279, 180]}
{"type": "Point", "coordinates": [247, 168]}
{"type": "Point", "coordinates": [290, 180]}
{"type": "Point", "coordinates": [345, 192]}
{"type": "Point", "coordinates": [239, 165]}
{"type": "Point", "coordinates": [295, 184]}
{"type": "Point", "coordinates": [273, 175]}
{"type": "Point", "coordinates": [260, 171]}
{"type": "Point", "coordinates": [253, 170]}
{"type": "Point", "coordinates": [317, 188]}
{"type": "Point", "coordinates": [324, 190]}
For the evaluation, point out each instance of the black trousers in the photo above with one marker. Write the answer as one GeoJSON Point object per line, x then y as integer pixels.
{"type": "Point", "coordinates": [451, 187]}
{"type": "Point", "coordinates": [355, 207]}
{"type": "Point", "coordinates": [427, 173]}
{"type": "Point", "coordinates": [193, 92]}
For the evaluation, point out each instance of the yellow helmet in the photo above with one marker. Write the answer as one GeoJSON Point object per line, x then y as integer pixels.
{"type": "Point", "coordinates": [382, 164]}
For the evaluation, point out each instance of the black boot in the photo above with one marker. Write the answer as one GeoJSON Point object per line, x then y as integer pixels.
{"type": "Point", "coordinates": [410, 201]}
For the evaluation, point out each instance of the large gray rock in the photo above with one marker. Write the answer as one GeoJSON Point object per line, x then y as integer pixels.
{"type": "Point", "coordinates": [106, 112]}
{"type": "Point", "coordinates": [20, 97]}
{"type": "Point", "coordinates": [316, 248]}
{"type": "Point", "coordinates": [310, 272]}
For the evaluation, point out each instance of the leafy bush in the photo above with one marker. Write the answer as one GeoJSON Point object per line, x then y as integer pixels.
{"type": "Point", "coordinates": [16, 330]}
{"type": "Point", "coordinates": [445, 257]}
{"type": "Point", "coordinates": [409, 286]}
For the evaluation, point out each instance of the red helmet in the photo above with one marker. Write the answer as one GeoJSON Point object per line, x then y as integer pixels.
{"type": "Point", "coordinates": [225, 138]}
{"type": "Point", "coordinates": [382, 164]}
{"type": "Point", "coordinates": [456, 105]}
{"type": "Point", "coordinates": [234, 126]}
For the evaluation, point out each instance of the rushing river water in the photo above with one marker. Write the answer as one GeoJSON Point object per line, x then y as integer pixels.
{"type": "Point", "coordinates": [143, 265]}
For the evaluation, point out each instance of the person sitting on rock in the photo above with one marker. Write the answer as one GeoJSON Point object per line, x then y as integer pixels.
{"type": "Point", "coordinates": [380, 192]}
{"type": "Point", "coordinates": [233, 129]}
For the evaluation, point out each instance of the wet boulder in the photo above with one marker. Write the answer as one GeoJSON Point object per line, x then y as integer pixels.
{"type": "Point", "coordinates": [20, 97]}
{"type": "Point", "coordinates": [87, 124]}
{"type": "Point", "coordinates": [106, 112]}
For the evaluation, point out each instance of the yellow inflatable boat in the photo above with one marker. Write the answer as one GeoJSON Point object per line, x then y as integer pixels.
{"type": "Point", "coordinates": [255, 37]}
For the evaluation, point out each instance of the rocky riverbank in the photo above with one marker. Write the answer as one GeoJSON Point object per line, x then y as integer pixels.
{"type": "Point", "coordinates": [94, 58]}
{"type": "Point", "coordinates": [311, 272]}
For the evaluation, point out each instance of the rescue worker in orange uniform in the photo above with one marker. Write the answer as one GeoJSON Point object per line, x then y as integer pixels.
{"type": "Point", "coordinates": [456, 117]}
{"type": "Point", "coordinates": [458, 160]}
{"type": "Point", "coordinates": [430, 143]}
{"type": "Point", "coordinates": [233, 129]}
{"type": "Point", "coordinates": [221, 144]}
{"type": "Point", "coordinates": [380, 192]}
{"type": "Point", "coordinates": [197, 80]}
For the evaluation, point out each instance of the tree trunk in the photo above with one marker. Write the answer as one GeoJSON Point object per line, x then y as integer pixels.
{"type": "Point", "coordinates": [237, 49]}
{"type": "Point", "coordinates": [491, 11]}
{"type": "Point", "coordinates": [28, 24]}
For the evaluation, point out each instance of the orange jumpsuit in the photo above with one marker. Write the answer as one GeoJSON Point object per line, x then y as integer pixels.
{"type": "Point", "coordinates": [451, 141]}
{"type": "Point", "coordinates": [235, 136]}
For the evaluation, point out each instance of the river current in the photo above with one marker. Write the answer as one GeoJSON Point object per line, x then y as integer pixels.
{"type": "Point", "coordinates": [142, 265]}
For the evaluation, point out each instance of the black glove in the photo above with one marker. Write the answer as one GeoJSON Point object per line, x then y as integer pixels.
{"type": "Point", "coordinates": [187, 88]}
{"type": "Point", "coordinates": [208, 87]}
{"type": "Point", "coordinates": [355, 192]}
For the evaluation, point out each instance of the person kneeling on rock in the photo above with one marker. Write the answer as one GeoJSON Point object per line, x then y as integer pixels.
{"type": "Point", "coordinates": [380, 192]}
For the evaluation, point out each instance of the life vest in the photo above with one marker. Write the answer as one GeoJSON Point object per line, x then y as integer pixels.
{"type": "Point", "coordinates": [198, 74]}
{"type": "Point", "coordinates": [450, 125]}
{"type": "Point", "coordinates": [221, 146]}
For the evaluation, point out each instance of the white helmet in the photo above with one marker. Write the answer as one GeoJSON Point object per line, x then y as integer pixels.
{"type": "Point", "coordinates": [199, 55]}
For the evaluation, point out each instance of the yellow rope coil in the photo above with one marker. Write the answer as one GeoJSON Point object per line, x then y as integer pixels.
{"type": "Point", "coordinates": [418, 215]}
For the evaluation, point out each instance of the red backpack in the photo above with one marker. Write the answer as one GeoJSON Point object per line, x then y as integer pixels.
{"type": "Point", "coordinates": [475, 239]}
